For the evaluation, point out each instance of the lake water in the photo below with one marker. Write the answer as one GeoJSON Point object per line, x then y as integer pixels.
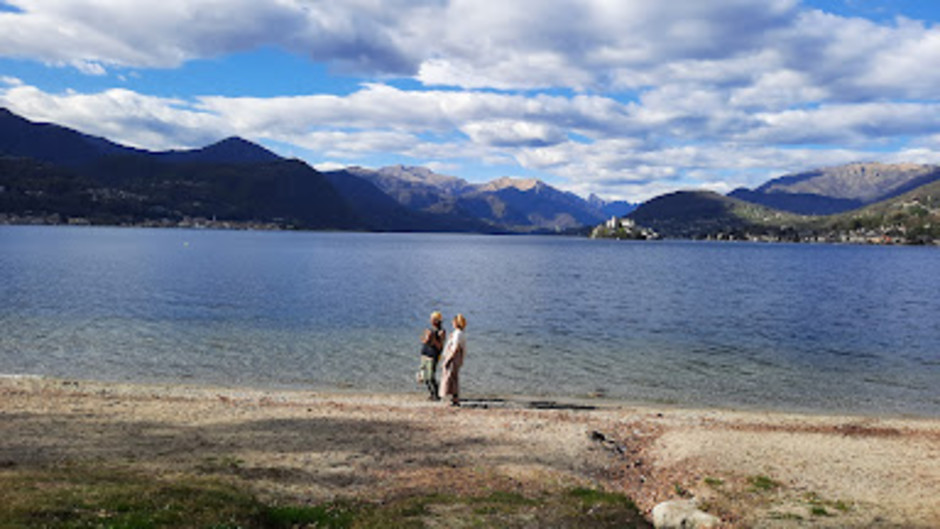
{"type": "Point", "coordinates": [799, 327]}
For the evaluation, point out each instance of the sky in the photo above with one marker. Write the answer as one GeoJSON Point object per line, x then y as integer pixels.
{"type": "Point", "coordinates": [627, 99]}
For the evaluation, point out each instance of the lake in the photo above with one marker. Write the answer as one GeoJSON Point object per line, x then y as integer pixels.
{"type": "Point", "coordinates": [823, 328]}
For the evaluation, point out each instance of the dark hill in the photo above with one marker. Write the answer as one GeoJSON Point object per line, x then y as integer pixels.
{"type": "Point", "coordinates": [48, 170]}
{"type": "Point", "coordinates": [48, 142]}
{"type": "Point", "coordinates": [702, 214]}
{"type": "Point", "coordinates": [52, 143]}
{"type": "Point", "coordinates": [145, 190]}
{"type": "Point", "coordinates": [287, 192]}
{"type": "Point", "coordinates": [229, 150]}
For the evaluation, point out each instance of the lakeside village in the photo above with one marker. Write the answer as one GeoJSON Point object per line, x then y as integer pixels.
{"type": "Point", "coordinates": [627, 229]}
{"type": "Point", "coordinates": [55, 219]}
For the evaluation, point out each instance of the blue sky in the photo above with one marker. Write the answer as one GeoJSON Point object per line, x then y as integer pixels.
{"type": "Point", "coordinates": [624, 98]}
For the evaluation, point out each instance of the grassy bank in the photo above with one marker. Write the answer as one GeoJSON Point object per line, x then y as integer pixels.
{"type": "Point", "coordinates": [86, 495]}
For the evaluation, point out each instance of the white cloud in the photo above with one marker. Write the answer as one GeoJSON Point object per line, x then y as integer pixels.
{"type": "Point", "coordinates": [329, 166]}
{"type": "Point", "coordinates": [441, 167]}
{"type": "Point", "coordinates": [350, 145]}
{"type": "Point", "coordinates": [862, 123]}
{"type": "Point", "coordinates": [778, 90]}
{"type": "Point", "coordinates": [89, 67]}
{"type": "Point", "coordinates": [513, 133]}
{"type": "Point", "coordinates": [579, 44]}
{"type": "Point", "coordinates": [120, 115]}
{"type": "Point", "coordinates": [359, 34]}
{"type": "Point", "coordinates": [487, 117]}
{"type": "Point", "coordinates": [595, 45]}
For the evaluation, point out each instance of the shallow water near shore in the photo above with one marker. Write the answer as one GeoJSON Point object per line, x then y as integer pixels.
{"type": "Point", "coordinates": [845, 329]}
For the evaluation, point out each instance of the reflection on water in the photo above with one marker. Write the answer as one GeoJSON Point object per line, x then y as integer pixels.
{"type": "Point", "coordinates": [834, 328]}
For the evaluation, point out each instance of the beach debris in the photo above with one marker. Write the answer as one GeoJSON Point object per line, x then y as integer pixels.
{"type": "Point", "coordinates": [607, 442]}
{"type": "Point", "coordinates": [554, 405]}
{"type": "Point", "coordinates": [682, 514]}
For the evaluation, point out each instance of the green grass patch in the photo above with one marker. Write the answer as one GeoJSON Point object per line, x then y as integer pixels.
{"type": "Point", "coordinates": [819, 506]}
{"type": "Point", "coordinates": [75, 496]}
{"type": "Point", "coordinates": [714, 482]}
{"type": "Point", "coordinates": [499, 501]}
{"type": "Point", "coordinates": [593, 497]}
{"type": "Point", "coordinates": [85, 496]}
{"type": "Point", "coordinates": [763, 484]}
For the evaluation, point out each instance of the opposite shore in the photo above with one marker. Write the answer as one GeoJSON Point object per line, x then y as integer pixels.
{"type": "Point", "coordinates": [747, 468]}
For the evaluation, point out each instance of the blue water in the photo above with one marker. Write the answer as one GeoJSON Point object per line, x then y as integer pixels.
{"type": "Point", "coordinates": [799, 327]}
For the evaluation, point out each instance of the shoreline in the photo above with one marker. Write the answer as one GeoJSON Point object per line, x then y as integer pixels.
{"type": "Point", "coordinates": [494, 400]}
{"type": "Point", "coordinates": [747, 467]}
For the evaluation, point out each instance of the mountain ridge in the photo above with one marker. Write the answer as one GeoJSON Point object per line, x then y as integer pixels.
{"type": "Point", "coordinates": [837, 189]}
{"type": "Point", "coordinates": [52, 143]}
{"type": "Point", "coordinates": [229, 150]}
{"type": "Point", "coordinates": [514, 204]}
{"type": "Point", "coordinates": [48, 166]}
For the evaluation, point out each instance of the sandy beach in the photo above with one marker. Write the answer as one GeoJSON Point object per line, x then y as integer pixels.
{"type": "Point", "coordinates": [751, 469]}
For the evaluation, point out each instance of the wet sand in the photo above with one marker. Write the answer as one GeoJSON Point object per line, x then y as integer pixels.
{"type": "Point", "coordinates": [752, 469]}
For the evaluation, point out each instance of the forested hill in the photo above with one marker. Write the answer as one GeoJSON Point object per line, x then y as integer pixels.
{"type": "Point", "coordinates": [50, 173]}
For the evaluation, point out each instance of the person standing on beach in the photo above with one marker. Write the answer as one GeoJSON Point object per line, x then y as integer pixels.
{"type": "Point", "coordinates": [452, 360]}
{"type": "Point", "coordinates": [432, 342]}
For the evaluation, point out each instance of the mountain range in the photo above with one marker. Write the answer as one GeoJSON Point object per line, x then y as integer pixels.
{"type": "Point", "coordinates": [519, 205]}
{"type": "Point", "coordinates": [52, 173]}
